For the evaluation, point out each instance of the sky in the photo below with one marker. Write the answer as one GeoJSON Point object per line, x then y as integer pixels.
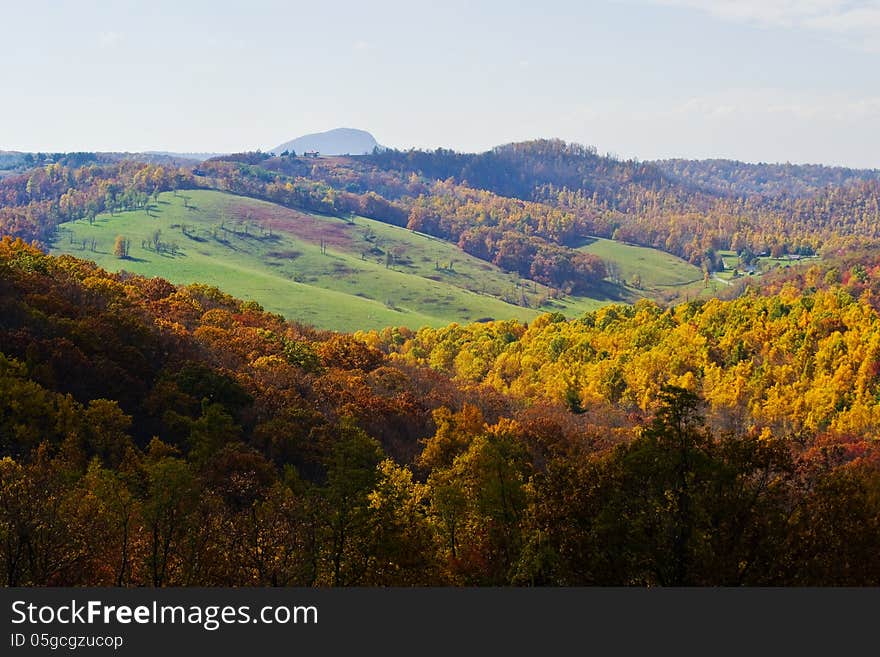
{"type": "Point", "coordinates": [755, 80]}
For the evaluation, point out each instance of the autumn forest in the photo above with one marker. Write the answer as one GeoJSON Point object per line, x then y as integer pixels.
{"type": "Point", "coordinates": [166, 433]}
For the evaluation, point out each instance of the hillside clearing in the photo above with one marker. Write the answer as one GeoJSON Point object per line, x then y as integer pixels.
{"type": "Point", "coordinates": [326, 271]}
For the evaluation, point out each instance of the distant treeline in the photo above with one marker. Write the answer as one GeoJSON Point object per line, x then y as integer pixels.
{"type": "Point", "coordinates": [665, 205]}
{"type": "Point", "coordinates": [32, 204]}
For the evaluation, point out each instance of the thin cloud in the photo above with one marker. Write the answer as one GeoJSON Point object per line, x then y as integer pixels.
{"type": "Point", "coordinates": [776, 13]}
{"type": "Point", "coordinates": [854, 22]}
{"type": "Point", "coordinates": [110, 39]}
{"type": "Point", "coordinates": [755, 103]}
{"type": "Point", "coordinates": [750, 124]}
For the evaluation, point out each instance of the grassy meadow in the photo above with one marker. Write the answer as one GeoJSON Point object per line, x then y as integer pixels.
{"type": "Point", "coordinates": [341, 274]}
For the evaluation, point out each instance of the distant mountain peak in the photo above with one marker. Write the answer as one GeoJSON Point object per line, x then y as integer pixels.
{"type": "Point", "coordinates": [339, 141]}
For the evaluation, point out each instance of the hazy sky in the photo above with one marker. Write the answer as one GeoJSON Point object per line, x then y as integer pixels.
{"type": "Point", "coordinates": [758, 80]}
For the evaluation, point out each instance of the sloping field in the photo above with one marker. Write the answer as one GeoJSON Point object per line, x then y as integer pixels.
{"type": "Point", "coordinates": [653, 269]}
{"type": "Point", "coordinates": [329, 272]}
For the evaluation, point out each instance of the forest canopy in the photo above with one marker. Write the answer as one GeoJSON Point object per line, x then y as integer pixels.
{"type": "Point", "coordinates": [158, 435]}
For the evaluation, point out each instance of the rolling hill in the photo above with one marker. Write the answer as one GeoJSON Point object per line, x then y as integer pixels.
{"type": "Point", "coordinates": [652, 270]}
{"type": "Point", "coordinates": [322, 247]}
{"type": "Point", "coordinates": [773, 180]}
{"type": "Point", "coordinates": [326, 271]}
